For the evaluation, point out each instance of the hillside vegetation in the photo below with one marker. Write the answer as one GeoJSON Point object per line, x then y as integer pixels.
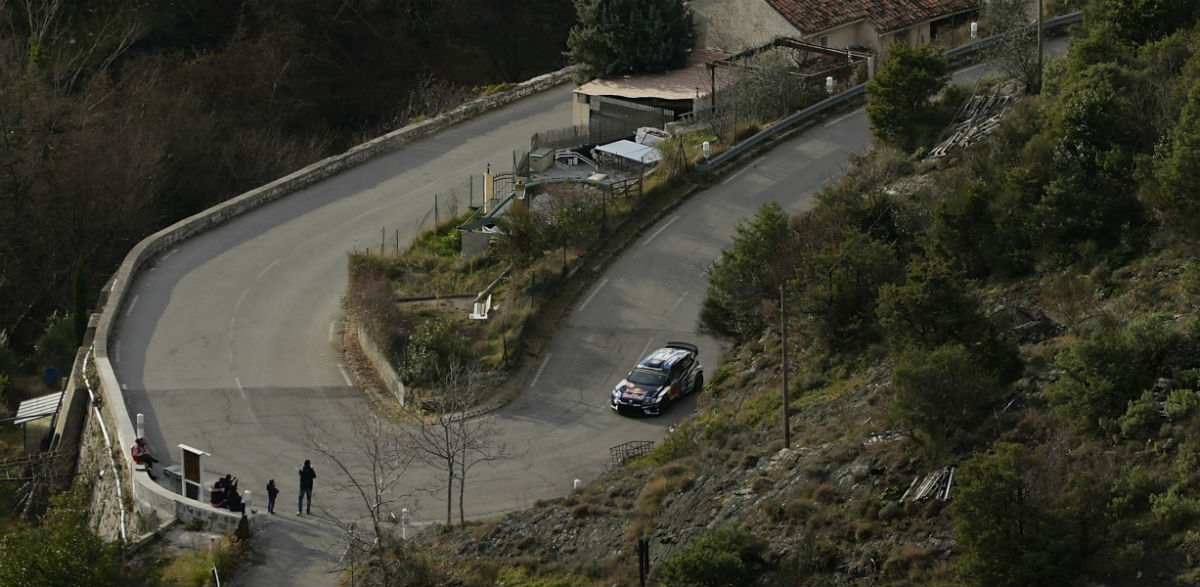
{"type": "Point", "coordinates": [1023, 314]}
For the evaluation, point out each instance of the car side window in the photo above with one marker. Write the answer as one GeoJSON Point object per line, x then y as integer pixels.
{"type": "Point", "coordinates": [681, 368]}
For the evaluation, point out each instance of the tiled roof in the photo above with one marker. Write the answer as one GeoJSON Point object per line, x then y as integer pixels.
{"type": "Point", "coordinates": [814, 16]}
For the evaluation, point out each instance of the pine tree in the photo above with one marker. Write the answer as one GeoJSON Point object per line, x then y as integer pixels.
{"type": "Point", "coordinates": [629, 36]}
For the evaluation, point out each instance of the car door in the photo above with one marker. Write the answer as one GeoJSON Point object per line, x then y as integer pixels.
{"type": "Point", "coordinates": [680, 374]}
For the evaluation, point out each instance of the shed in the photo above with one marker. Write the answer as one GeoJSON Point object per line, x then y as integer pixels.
{"type": "Point", "coordinates": [34, 409]}
{"type": "Point", "coordinates": [629, 151]}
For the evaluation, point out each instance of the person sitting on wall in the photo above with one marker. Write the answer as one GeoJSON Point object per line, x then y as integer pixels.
{"type": "Point", "coordinates": [217, 496]}
{"type": "Point", "coordinates": [233, 501]}
{"type": "Point", "coordinates": [229, 488]}
{"type": "Point", "coordinates": [141, 455]}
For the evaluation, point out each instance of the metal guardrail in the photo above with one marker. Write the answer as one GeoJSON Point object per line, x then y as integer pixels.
{"type": "Point", "coordinates": [856, 91]}
{"type": "Point", "coordinates": [985, 42]}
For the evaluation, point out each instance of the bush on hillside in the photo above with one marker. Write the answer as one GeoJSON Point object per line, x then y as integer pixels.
{"type": "Point", "coordinates": [719, 558]}
{"type": "Point", "coordinates": [1107, 369]}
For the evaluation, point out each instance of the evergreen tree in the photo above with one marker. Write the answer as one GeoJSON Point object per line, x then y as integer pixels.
{"type": "Point", "coordinates": [629, 36]}
{"type": "Point", "coordinates": [898, 97]}
{"type": "Point", "coordinates": [1176, 170]}
{"type": "Point", "coordinates": [748, 272]}
{"type": "Point", "coordinates": [1004, 534]}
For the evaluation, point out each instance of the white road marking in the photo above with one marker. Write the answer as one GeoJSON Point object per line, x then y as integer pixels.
{"type": "Point", "coordinates": [246, 399]}
{"type": "Point", "coordinates": [676, 304]}
{"type": "Point", "coordinates": [645, 348]}
{"type": "Point", "coordinates": [841, 118]}
{"type": "Point", "coordinates": [660, 229]}
{"type": "Point", "coordinates": [593, 294]}
{"type": "Point", "coordinates": [345, 376]}
{"type": "Point", "coordinates": [743, 170]}
{"type": "Point", "coordinates": [332, 330]}
{"type": "Point", "coordinates": [132, 303]}
{"type": "Point", "coordinates": [308, 242]}
{"type": "Point", "coordinates": [169, 253]}
{"type": "Point", "coordinates": [268, 268]}
{"type": "Point", "coordinates": [238, 304]}
{"type": "Point", "coordinates": [117, 351]}
{"type": "Point", "coordinates": [539, 371]}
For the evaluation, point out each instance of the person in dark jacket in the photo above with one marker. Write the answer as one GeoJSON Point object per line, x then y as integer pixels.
{"type": "Point", "coordinates": [272, 493]}
{"type": "Point", "coordinates": [307, 474]}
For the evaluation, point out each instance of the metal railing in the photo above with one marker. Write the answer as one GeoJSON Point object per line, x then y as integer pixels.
{"type": "Point", "coordinates": [856, 91]}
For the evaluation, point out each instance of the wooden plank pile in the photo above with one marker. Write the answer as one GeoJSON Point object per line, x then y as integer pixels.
{"type": "Point", "coordinates": [936, 485]}
{"type": "Point", "coordinates": [977, 119]}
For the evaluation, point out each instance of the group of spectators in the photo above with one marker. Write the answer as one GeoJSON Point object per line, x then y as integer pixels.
{"type": "Point", "coordinates": [224, 492]}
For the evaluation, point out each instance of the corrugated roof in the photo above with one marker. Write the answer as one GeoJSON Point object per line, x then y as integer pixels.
{"type": "Point", "coordinates": [815, 16]}
{"type": "Point", "coordinates": [38, 407]}
{"type": "Point", "coordinates": [632, 151]}
{"type": "Point", "coordinates": [680, 84]}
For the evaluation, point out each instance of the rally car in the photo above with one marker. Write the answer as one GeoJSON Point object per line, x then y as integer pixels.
{"type": "Point", "coordinates": [659, 380]}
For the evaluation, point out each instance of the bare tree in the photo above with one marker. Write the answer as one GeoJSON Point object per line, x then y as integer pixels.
{"type": "Point", "coordinates": [447, 435]}
{"type": "Point", "coordinates": [387, 458]}
{"type": "Point", "coordinates": [769, 85]}
{"type": "Point", "coordinates": [1016, 54]}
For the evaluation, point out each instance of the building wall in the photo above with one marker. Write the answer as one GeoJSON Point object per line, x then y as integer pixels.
{"type": "Point", "coordinates": [734, 25]}
{"type": "Point", "coordinates": [844, 36]}
{"type": "Point", "coordinates": [581, 109]}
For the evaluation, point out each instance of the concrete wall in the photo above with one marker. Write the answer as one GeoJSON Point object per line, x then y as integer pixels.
{"type": "Point", "coordinates": [383, 366]}
{"type": "Point", "coordinates": [733, 25]}
{"type": "Point", "coordinates": [150, 500]}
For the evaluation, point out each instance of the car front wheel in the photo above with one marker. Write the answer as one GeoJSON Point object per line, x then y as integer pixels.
{"type": "Point", "coordinates": [698, 384]}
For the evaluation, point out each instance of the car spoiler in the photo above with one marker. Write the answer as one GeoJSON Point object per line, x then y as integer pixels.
{"type": "Point", "coordinates": [687, 346]}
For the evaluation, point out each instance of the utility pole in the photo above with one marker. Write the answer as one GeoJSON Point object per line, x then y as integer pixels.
{"type": "Point", "coordinates": [787, 427]}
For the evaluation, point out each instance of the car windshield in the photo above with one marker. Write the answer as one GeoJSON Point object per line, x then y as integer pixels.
{"type": "Point", "coordinates": [644, 377]}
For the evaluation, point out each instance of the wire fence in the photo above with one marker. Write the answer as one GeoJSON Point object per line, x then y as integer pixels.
{"type": "Point", "coordinates": [445, 204]}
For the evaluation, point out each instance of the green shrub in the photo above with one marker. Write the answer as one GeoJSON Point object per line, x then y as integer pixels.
{"type": "Point", "coordinates": [941, 393]}
{"type": "Point", "coordinates": [718, 558]}
{"type": "Point", "coordinates": [1105, 370]}
{"type": "Point", "coordinates": [1187, 459]}
{"type": "Point", "coordinates": [432, 348]}
{"type": "Point", "coordinates": [1181, 403]}
{"type": "Point", "coordinates": [1140, 417]}
{"type": "Point", "coordinates": [1132, 490]}
{"type": "Point", "coordinates": [1175, 509]}
{"type": "Point", "coordinates": [62, 551]}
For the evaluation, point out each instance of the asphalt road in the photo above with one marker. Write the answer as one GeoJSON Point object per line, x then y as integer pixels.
{"type": "Point", "coordinates": [229, 344]}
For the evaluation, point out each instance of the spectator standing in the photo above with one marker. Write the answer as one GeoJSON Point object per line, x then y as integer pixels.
{"type": "Point", "coordinates": [272, 492]}
{"type": "Point", "coordinates": [307, 474]}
